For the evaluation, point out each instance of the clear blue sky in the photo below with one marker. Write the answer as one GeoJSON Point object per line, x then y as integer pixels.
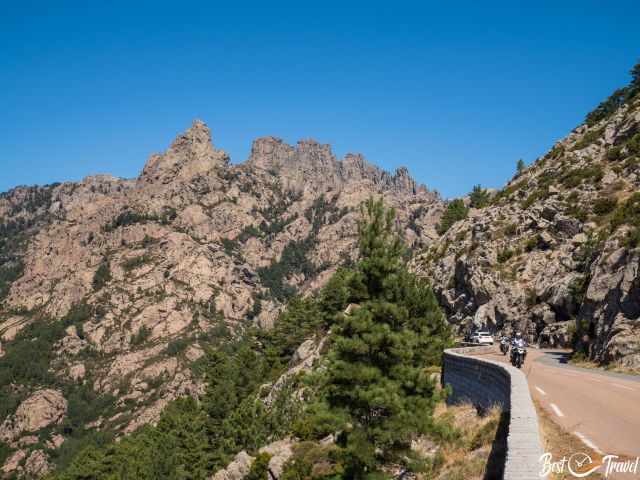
{"type": "Point", "coordinates": [456, 91]}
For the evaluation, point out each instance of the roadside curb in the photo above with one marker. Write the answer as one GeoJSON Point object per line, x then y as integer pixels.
{"type": "Point", "coordinates": [485, 383]}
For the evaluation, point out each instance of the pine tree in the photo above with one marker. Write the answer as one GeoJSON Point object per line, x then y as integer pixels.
{"type": "Point", "coordinates": [456, 211]}
{"type": "Point", "coordinates": [479, 197]}
{"type": "Point", "coordinates": [520, 166]}
{"type": "Point", "coordinates": [376, 378]}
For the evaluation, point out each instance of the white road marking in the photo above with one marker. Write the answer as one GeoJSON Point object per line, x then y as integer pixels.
{"type": "Point", "coordinates": [597, 380]}
{"type": "Point", "coordinates": [542, 392]}
{"type": "Point", "coordinates": [556, 410]}
{"type": "Point", "coordinates": [588, 442]}
{"type": "Point", "coordinates": [622, 386]}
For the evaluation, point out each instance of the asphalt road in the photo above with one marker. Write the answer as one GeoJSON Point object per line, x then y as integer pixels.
{"type": "Point", "coordinates": [601, 408]}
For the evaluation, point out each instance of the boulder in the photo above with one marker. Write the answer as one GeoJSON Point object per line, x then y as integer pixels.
{"type": "Point", "coordinates": [40, 410]}
{"type": "Point", "coordinates": [13, 462]}
{"type": "Point", "coordinates": [280, 452]}
{"type": "Point", "coordinates": [556, 335]}
{"type": "Point", "coordinates": [37, 465]}
{"type": "Point", "coordinates": [237, 469]}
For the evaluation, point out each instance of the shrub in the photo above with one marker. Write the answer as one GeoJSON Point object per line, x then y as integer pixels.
{"type": "Point", "coordinates": [9, 273]}
{"type": "Point", "coordinates": [130, 217]}
{"type": "Point", "coordinates": [607, 107]}
{"type": "Point", "coordinates": [259, 468]}
{"type": "Point", "coordinates": [456, 211]}
{"type": "Point", "coordinates": [578, 288]}
{"type": "Point", "coordinates": [627, 213]}
{"type": "Point", "coordinates": [532, 243]}
{"type": "Point", "coordinates": [633, 238]}
{"type": "Point", "coordinates": [102, 275]}
{"type": "Point", "coordinates": [531, 298]}
{"type": "Point", "coordinates": [147, 241]}
{"type": "Point", "coordinates": [5, 450]}
{"type": "Point", "coordinates": [621, 96]}
{"type": "Point", "coordinates": [177, 346]}
{"type": "Point", "coordinates": [124, 219]}
{"type": "Point", "coordinates": [586, 254]}
{"type": "Point", "coordinates": [511, 229]}
{"type": "Point", "coordinates": [135, 262]}
{"type": "Point", "coordinates": [505, 255]}
{"type": "Point", "coordinates": [614, 154]}
{"type": "Point", "coordinates": [575, 177]}
{"type": "Point", "coordinates": [311, 460]}
{"type": "Point", "coordinates": [507, 191]}
{"type": "Point", "coordinates": [249, 232]}
{"type": "Point", "coordinates": [294, 259]}
{"type": "Point", "coordinates": [604, 205]}
{"type": "Point", "coordinates": [578, 212]}
{"type": "Point", "coordinates": [633, 146]}
{"type": "Point", "coordinates": [230, 247]}
{"type": "Point", "coordinates": [631, 163]}
{"type": "Point", "coordinates": [588, 138]}
{"type": "Point", "coordinates": [141, 336]}
{"type": "Point", "coordinates": [538, 194]}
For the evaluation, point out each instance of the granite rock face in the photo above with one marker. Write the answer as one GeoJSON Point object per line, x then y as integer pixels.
{"type": "Point", "coordinates": [192, 244]}
{"type": "Point", "coordinates": [40, 410]}
{"type": "Point", "coordinates": [312, 162]}
{"type": "Point", "coordinates": [554, 254]}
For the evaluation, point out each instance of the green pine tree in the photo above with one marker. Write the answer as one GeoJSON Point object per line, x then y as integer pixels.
{"type": "Point", "coordinates": [377, 385]}
{"type": "Point", "coordinates": [479, 197]}
{"type": "Point", "coordinates": [456, 211]}
{"type": "Point", "coordinates": [520, 166]}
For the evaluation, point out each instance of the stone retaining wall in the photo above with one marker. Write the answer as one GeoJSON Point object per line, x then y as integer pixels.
{"type": "Point", "coordinates": [484, 383]}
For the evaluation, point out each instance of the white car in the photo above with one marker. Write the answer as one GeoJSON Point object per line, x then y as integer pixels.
{"type": "Point", "coordinates": [482, 338]}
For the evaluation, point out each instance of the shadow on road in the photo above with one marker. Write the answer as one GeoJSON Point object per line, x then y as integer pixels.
{"type": "Point", "coordinates": [559, 357]}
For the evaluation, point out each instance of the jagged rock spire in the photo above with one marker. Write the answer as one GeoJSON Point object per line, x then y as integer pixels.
{"type": "Point", "coordinates": [190, 154]}
{"type": "Point", "coordinates": [314, 163]}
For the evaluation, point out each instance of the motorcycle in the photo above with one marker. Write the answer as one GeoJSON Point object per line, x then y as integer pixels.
{"type": "Point", "coordinates": [504, 346]}
{"type": "Point", "coordinates": [517, 357]}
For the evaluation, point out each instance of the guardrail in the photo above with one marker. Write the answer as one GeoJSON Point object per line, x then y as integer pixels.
{"type": "Point", "coordinates": [484, 383]}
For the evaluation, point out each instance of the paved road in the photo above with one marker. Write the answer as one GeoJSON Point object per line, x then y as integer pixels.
{"type": "Point", "coordinates": [599, 407]}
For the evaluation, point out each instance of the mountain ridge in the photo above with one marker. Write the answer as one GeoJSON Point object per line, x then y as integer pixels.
{"type": "Point", "coordinates": [111, 289]}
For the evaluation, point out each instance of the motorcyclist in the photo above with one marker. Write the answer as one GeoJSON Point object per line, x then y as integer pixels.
{"type": "Point", "coordinates": [518, 342]}
{"type": "Point", "coordinates": [504, 340]}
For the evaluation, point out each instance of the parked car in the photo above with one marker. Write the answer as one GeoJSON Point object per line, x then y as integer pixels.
{"type": "Point", "coordinates": [482, 338]}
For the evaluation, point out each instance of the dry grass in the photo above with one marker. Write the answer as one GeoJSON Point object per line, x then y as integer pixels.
{"type": "Point", "coordinates": [580, 362]}
{"type": "Point", "coordinates": [471, 455]}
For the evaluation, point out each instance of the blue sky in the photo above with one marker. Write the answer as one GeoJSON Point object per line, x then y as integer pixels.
{"type": "Point", "coordinates": [455, 91]}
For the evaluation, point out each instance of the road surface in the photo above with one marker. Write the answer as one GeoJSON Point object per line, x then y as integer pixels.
{"type": "Point", "coordinates": [601, 408]}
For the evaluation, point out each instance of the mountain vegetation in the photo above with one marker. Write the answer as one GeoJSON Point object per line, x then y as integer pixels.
{"type": "Point", "coordinates": [289, 312]}
{"type": "Point", "coordinates": [375, 392]}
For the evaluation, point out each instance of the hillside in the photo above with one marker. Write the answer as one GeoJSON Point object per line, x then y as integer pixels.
{"type": "Point", "coordinates": [185, 312]}
{"type": "Point", "coordinates": [555, 252]}
{"type": "Point", "coordinates": [111, 288]}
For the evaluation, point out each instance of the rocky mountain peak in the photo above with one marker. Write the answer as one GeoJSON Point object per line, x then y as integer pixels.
{"type": "Point", "coordinates": [313, 163]}
{"type": "Point", "coordinates": [269, 153]}
{"type": "Point", "coordinates": [191, 153]}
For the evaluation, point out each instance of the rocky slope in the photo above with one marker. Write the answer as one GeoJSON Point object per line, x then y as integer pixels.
{"type": "Point", "coordinates": [122, 280]}
{"type": "Point", "coordinates": [110, 288]}
{"type": "Point", "coordinates": [555, 253]}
